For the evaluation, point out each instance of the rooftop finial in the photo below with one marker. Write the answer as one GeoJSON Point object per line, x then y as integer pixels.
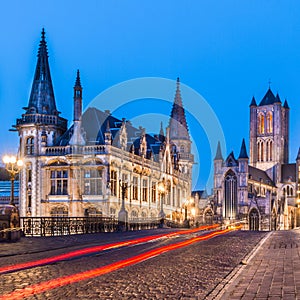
{"type": "Point", "coordinates": [43, 34]}
{"type": "Point", "coordinates": [269, 83]}
{"type": "Point", "coordinates": [77, 82]}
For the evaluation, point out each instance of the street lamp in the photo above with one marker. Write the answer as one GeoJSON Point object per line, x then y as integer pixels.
{"type": "Point", "coordinates": [162, 191]}
{"type": "Point", "coordinates": [123, 214]}
{"type": "Point", "coordinates": [13, 166]}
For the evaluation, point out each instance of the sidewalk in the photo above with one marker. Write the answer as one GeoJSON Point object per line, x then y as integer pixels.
{"type": "Point", "coordinates": [272, 271]}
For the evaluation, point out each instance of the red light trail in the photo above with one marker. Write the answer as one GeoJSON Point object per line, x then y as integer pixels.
{"type": "Point", "coordinates": [61, 281]}
{"type": "Point", "coordinates": [90, 250]}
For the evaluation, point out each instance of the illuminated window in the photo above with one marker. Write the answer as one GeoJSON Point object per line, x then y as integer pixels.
{"type": "Point", "coordinates": [59, 182]}
{"type": "Point", "coordinates": [269, 122]}
{"type": "Point", "coordinates": [29, 147]}
{"type": "Point", "coordinates": [92, 182]}
{"type": "Point", "coordinates": [261, 124]}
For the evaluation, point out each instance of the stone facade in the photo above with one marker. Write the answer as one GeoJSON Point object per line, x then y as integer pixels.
{"type": "Point", "coordinates": [90, 167]}
{"type": "Point", "coordinates": [260, 191]}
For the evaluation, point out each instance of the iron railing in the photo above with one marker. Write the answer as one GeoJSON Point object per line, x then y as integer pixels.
{"type": "Point", "coordinates": [56, 226]}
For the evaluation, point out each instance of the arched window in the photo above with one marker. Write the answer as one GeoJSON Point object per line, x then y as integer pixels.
{"type": "Point", "coordinates": [230, 195]}
{"type": "Point", "coordinates": [261, 151]}
{"type": "Point", "coordinates": [261, 124]}
{"type": "Point", "coordinates": [134, 215]}
{"type": "Point", "coordinates": [267, 151]}
{"type": "Point", "coordinates": [270, 151]}
{"type": "Point", "coordinates": [29, 146]}
{"type": "Point", "coordinates": [269, 122]}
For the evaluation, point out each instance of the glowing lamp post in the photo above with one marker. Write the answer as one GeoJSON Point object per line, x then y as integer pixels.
{"type": "Point", "coordinates": [161, 191]}
{"type": "Point", "coordinates": [13, 166]}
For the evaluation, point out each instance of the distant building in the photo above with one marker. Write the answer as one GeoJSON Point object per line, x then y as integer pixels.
{"type": "Point", "coordinates": [86, 168]}
{"type": "Point", "coordinates": [260, 190]}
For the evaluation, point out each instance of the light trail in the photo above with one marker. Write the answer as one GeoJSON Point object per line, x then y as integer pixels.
{"type": "Point", "coordinates": [90, 250]}
{"type": "Point", "coordinates": [62, 281]}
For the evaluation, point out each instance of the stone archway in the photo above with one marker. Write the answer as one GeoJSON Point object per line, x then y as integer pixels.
{"type": "Point", "coordinates": [254, 219]}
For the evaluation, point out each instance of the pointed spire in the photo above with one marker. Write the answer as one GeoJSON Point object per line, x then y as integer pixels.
{"type": "Point", "coordinates": [77, 98]}
{"type": "Point", "coordinates": [178, 125]}
{"type": "Point", "coordinates": [42, 99]}
{"type": "Point", "coordinates": [285, 105]}
{"type": "Point", "coordinates": [253, 102]}
{"type": "Point", "coordinates": [268, 99]}
{"type": "Point", "coordinates": [77, 82]}
{"type": "Point", "coordinates": [219, 152]}
{"type": "Point", "coordinates": [277, 98]}
{"type": "Point", "coordinates": [243, 152]}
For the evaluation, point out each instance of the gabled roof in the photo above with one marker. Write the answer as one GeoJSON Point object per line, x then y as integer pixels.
{"type": "Point", "coordinates": [230, 160]}
{"type": "Point", "coordinates": [260, 176]}
{"type": "Point", "coordinates": [269, 98]}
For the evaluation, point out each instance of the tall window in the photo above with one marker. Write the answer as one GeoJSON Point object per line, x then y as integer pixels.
{"type": "Point", "coordinates": [153, 192]}
{"type": "Point", "coordinates": [178, 197]}
{"type": "Point", "coordinates": [261, 124]}
{"type": "Point", "coordinates": [113, 183]}
{"type": "Point", "coordinates": [145, 190]}
{"type": "Point", "coordinates": [230, 195]}
{"type": "Point", "coordinates": [29, 147]}
{"type": "Point", "coordinates": [92, 182]}
{"type": "Point", "coordinates": [269, 122]}
{"type": "Point", "coordinates": [269, 150]}
{"type": "Point", "coordinates": [59, 182]}
{"type": "Point", "coordinates": [135, 188]}
{"type": "Point", "coordinates": [174, 196]}
{"type": "Point", "coordinates": [260, 151]}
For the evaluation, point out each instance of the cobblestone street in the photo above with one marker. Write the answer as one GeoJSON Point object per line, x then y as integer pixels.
{"type": "Point", "coordinates": [188, 273]}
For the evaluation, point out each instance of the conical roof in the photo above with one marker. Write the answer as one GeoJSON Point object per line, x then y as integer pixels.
{"type": "Point", "coordinates": [219, 152]}
{"type": "Point", "coordinates": [178, 125]}
{"type": "Point", "coordinates": [243, 152]}
{"type": "Point", "coordinates": [42, 99]}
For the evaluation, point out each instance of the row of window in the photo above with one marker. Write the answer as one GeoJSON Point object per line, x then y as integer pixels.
{"type": "Point", "coordinates": [139, 190]}
{"type": "Point", "coordinates": [265, 124]}
{"type": "Point", "coordinates": [260, 151]}
{"type": "Point", "coordinates": [92, 184]}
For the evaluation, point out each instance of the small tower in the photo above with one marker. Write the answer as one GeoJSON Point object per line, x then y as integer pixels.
{"type": "Point", "coordinates": [39, 126]}
{"type": "Point", "coordinates": [77, 138]}
{"type": "Point", "coordinates": [269, 134]}
{"type": "Point", "coordinates": [179, 134]}
{"type": "Point", "coordinates": [218, 174]}
{"type": "Point", "coordinates": [243, 161]}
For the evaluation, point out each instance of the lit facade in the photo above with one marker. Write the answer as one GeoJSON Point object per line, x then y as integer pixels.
{"type": "Point", "coordinates": [80, 170]}
{"type": "Point", "coordinates": [261, 190]}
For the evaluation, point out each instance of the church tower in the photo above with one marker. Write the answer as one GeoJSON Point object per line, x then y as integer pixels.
{"type": "Point", "coordinates": [179, 133]}
{"type": "Point", "coordinates": [269, 134]}
{"type": "Point", "coordinates": [39, 126]}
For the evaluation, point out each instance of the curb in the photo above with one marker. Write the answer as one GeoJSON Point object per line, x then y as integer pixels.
{"type": "Point", "coordinates": [224, 285]}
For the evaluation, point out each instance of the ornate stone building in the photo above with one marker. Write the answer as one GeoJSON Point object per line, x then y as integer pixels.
{"type": "Point", "coordinates": [260, 190]}
{"type": "Point", "coordinates": [88, 168]}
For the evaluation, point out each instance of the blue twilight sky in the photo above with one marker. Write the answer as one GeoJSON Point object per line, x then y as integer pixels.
{"type": "Point", "coordinates": [227, 51]}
